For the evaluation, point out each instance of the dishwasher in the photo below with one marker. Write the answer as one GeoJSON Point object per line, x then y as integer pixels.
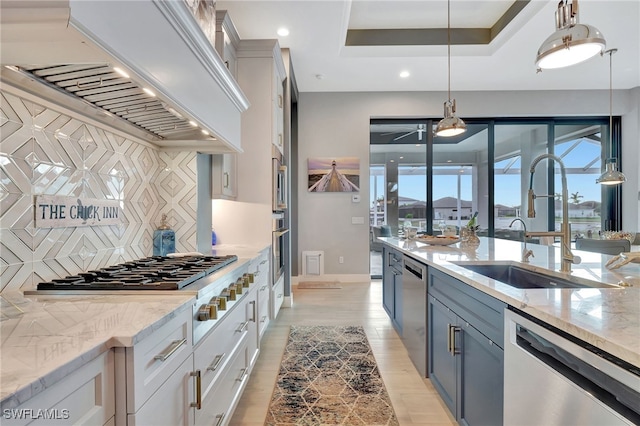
{"type": "Point", "coordinates": [414, 313]}
{"type": "Point", "coordinates": [551, 379]}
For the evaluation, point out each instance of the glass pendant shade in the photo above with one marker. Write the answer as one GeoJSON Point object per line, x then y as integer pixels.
{"type": "Point", "coordinates": [450, 125]}
{"type": "Point", "coordinates": [611, 176]}
{"type": "Point", "coordinates": [572, 42]}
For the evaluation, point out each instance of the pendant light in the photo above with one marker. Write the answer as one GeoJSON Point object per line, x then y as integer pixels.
{"type": "Point", "coordinates": [611, 176]}
{"type": "Point", "coordinates": [572, 42]}
{"type": "Point", "coordinates": [450, 125]}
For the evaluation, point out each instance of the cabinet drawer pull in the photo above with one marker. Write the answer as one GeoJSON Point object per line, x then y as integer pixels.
{"type": "Point", "coordinates": [263, 288]}
{"type": "Point", "coordinates": [279, 295]}
{"type": "Point", "coordinates": [279, 101]}
{"type": "Point", "coordinates": [263, 262]}
{"type": "Point", "coordinates": [243, 375]}
{"type": "Point", "coordinates": [198, 376]}
{"type": "Point", "coordinates": [226, 179]}
{"type": "Point", "coordinates": [243, 327]}
{"type": "Point", "coordinates": [163, 356]}
{"type": "Point", "coordinates": [253, 308]}
{"type": "Point", "coordinates": [220, 418]}
{"type": "Point", "coordinates": [216, 362]}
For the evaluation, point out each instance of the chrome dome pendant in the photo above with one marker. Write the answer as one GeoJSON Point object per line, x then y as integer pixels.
{"type": "Point", "coordinates": [572, 42]}
{"type": "Point", "coordinates": [450, 125]}
{"type": "Point", "coordinates": [611, 176]}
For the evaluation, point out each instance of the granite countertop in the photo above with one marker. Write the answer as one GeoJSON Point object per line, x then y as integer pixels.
{"type": "Point", "coordinates": [44, 337]}
{"type": "Point", "coordinates": [608, 318]}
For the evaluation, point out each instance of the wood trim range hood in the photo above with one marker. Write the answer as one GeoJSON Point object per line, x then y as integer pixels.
{"type": "Point", "coordinates": [65, 52]}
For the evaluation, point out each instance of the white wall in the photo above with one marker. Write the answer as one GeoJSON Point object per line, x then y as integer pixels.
{"type": "Point", "coordinates": [337, 125]}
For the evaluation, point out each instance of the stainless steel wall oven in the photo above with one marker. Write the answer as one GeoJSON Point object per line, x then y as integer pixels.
{"type": "Point", "coordinates": [280, 234]}
{"type": "Point", "coordinates": [279, 185]}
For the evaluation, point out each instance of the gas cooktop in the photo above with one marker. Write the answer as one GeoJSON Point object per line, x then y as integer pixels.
{"type": "Point", "coordinates": [150, 273]}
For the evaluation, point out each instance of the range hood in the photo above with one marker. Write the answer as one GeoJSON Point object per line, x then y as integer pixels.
{"type": "Point", "coordinates": [143, 66]}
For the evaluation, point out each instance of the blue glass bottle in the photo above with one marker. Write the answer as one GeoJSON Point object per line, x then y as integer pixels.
{"type": "Point", "coordinates": [164, 239]}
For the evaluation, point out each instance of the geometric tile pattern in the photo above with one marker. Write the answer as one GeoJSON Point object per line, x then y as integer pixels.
{"type": "Point", "coordinates": [329, 376]}
{"type": "Point", "coordinates": [43, 151]}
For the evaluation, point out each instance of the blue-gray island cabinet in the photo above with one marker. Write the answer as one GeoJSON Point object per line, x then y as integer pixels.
{"type": "Point", "coordinates": [466, 357]}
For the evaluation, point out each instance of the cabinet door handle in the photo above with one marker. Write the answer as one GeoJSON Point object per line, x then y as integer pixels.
{"type": "Point", "coordinates": [220, 418]}
{"type": "Point", "coordinates": [243, 375]}
{"type": "Point", "coordinates": [454, 349]}
{"type": "Point", "coordinates": [243, 327]}
{"type": "Point", "coordinates": [253, 308]}
{"type": "Point", "coordinates": [449, 345]}
{"type": "Point", "coordinates": [263, 288]}
{"type": "Point", "coordinates": [216, 362]}
{"type": "Point", "coordinates": [164, 355]}
{"type": "Point", "coordinates": [279, 101]}
{"type": "Point", "coordinates": [226, 179]}
{"type": "Point", "coordinates": [198, 376]}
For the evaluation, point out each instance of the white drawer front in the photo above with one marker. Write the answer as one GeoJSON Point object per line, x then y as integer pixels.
{"type": "Point", "coordinates": [152, 361]}
{"type": "Point", "coordinates": [216, 350]}
{"type": "Point", "coordinates": [277, 298]}
{"type": "Point", "coordinates": [86, 397]}
{"type": "Point", "coordinates": [218, 404]}
{"type": "Point", "coordinates": [264, 299]}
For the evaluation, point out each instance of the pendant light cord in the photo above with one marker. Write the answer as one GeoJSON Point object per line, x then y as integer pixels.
{"type": "Point", "coordinates": [449, 49]}
{"type": "Point", "coordinates": [611, 52]}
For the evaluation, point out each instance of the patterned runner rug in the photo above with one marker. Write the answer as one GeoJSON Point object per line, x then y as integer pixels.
{"type": "Point", "coordinates": [329, 376]}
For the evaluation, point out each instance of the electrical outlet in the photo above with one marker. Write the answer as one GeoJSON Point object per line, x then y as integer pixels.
{"type": "Point", "coordinates": [341, 259]}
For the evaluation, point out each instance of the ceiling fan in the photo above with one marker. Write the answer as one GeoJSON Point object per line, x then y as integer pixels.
{"type": "Point", "coordinates": [420, 131]}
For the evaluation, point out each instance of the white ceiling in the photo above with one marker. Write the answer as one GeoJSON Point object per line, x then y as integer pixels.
{"type": "Point", "coordinates": [322, 63]}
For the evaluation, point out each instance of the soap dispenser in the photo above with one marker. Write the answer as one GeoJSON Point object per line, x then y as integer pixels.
{"type": "Point", "coordinates": [164, 239]}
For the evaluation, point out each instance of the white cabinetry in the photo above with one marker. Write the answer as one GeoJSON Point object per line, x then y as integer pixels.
{"type": "Point", "coordinates": [223, 174]}
{"type": "Point", "coordinates": [85, 397]}
{"type": "Point", "coordinates": [260, 75]}
{"type": "Point", "coordinates": [260, 268]}
{"type": "Point", "coordinates": [156, 367]}
{"type": "Point", "coordinates": [277, 297]}
{"type": "Point", "coordinates": [227, 41]}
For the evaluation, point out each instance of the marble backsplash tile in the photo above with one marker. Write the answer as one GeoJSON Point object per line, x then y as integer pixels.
{"type": "Point", "coordinates": [43, 151]}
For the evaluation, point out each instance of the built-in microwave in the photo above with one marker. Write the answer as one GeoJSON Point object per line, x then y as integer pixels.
{"type": "Point", "coordinates": [279, 173]}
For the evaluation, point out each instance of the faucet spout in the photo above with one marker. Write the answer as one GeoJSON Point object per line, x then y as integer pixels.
{"type": "Point", "coordinates": [565, 230]}
{"type": "Point", "coordinates": [526, 254]}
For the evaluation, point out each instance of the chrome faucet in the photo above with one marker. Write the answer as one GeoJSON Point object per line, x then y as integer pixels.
{"type": "Point", "coordinates": [526, 254]}
{"type": "Point", "coordinates": [565, 229]}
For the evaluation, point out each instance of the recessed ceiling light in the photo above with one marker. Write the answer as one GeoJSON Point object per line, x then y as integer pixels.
{"type": "Point", "coordinates": [283, 32]}
{"type": "Point", "coordinates": [205, 132]}
{"type": "Point", "coordinates": [193, 123]}
{"type": "Point", "coordinates": [401, 158]}
{"type": "Point", "coordinates": [121, 72]}
{"type": "Point", "coordinates": [404, 74]}
{"type": "Point", "coordinates": [148, 91]}
{"type": "Point", "coordinates": [392, 161]}
{"type": "Point", "coordinates": [448, 161]}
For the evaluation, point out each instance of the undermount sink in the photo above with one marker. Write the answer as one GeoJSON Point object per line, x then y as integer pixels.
{"type": "Point", "coordinates": [521, 277]}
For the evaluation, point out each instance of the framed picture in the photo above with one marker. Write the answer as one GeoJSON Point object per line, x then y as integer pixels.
{"type": "Point", "coordinates": [338, 174]}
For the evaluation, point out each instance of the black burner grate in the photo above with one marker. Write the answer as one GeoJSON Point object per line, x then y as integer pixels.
{"type": "Point", "coordinates": [150, 273]}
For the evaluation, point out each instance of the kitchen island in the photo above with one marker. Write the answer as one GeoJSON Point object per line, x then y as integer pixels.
{"type": "Point", "coordinates": [463, 330]}
{"type": "Point", "coordinates": [608, 318]}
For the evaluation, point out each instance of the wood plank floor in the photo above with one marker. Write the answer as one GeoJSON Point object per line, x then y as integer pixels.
{"type": "Point", "coordinates": [414, 399]}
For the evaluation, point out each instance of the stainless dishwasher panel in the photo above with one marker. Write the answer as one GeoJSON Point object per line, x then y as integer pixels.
{"type": "Point", "coordinates": [414, 313]}
{"type": "Point", "coordinates": [549, 380]}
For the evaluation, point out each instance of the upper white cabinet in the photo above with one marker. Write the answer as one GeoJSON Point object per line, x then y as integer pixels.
{"type": "Point", "coordinates": [261, 74]}
{"type": "Point", "coordinates": [227, 41]}
{"type": "Point", "coordinates": [224, 176]}
{"type": "Point", "coordinates": [160, 44]}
